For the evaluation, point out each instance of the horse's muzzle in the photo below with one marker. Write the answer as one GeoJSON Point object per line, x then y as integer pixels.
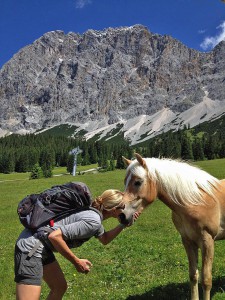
{"type": "Point", "coordinates": [123, 219]}
{"type": "Point", "coordinates": [126, 217]}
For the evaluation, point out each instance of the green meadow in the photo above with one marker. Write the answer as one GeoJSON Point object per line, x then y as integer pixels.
{"type": "Point", "coordinates": [146, 261]}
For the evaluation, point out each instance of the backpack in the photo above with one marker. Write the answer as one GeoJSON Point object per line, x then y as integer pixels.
{"type": "Point", "coordinates": [38, 210]}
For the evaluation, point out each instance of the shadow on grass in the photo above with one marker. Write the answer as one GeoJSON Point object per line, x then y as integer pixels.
{"type": "Point", "coordinates": [179, 291]}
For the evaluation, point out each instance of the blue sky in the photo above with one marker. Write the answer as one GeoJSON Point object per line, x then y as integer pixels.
{"type": "Point", "coordinates": [199, 24]}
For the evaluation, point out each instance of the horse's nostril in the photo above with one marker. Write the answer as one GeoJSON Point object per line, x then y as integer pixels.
{"type": "Point", "coordinates": [123, 219]}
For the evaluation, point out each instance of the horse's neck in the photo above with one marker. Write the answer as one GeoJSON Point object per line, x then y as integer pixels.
{"type": "Point", "coordinates": [166, 200]}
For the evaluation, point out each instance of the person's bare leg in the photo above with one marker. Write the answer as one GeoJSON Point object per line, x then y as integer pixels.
{"type": "Point", "coordinates": [27, 292]}
{"type": "Point", "coordinates": [55, 279]}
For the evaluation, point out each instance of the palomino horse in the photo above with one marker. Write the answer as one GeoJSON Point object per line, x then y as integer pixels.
{"type": "Point", "coordinates": [197, 201]}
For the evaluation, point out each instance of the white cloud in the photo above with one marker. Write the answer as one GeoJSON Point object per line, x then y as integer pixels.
{"type": "Point", "coordinates": [211, 41]}
{"type": "Point", "coordinates": [82, 3]}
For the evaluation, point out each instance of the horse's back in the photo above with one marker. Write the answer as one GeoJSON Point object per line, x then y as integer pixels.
{"type": "Point", "coordinates": [190, 220]}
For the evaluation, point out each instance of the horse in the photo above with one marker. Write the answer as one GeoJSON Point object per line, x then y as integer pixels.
{"type": "Point", "coordinates": [197, 201]}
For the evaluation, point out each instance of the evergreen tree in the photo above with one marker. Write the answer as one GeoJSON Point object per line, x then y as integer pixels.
{"type": "Point", "coordinates": [210, 147]}
{"type": "Point", "coordinates": [33, 157]}
{"type": "Point", "coordinates": [64, 158]}
{"type": "Point", "coordinates": [186, 147]}
{"type": "Point", "coordinates": [100, 160]}
{"type": "Point", "coordinates": [47, 162]}
{"type": "Point", "coordinates": [8, 163]}
{"type": "Point", "coordinates": [85, 156]}
{"type": "Point", "coordinates": [70, 164]}
{"type": "Point", "coordinates": [149, 152]}
{"type": "Point", "coordinates": [157, 150]}
{"type": "Point", "coordinates": [22, 163]}
{"type": "Point", "coordinates": [177, 149]}
{"type": "Point", "coordinates": [106, 165]}
{"type": "Point", "coordinates": [222, 150]}
{"type": "Point", "coordinates": [36, 172]}
{"type": "Point", "coordinates": [103, 162]}
{"type": "Point", "coordinates": [197, 147]}
{"type": "Point", "coordinates": [92, 151]}
{"type": "Point", "coordinates": [112, 164]}
{"type": "Point", "coordinates": [119, 161]}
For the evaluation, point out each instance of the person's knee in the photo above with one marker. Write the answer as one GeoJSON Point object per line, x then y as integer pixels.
{"type": "Point", "coordinates": [55, 280]}
{"type": "Point", "coordinates": [60, 288]}
{"type": "Point", "coordinates": [64, 287]}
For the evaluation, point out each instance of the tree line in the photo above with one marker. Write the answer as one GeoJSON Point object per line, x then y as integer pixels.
{"type": "Point", "coordinates": [24, 153]}
{"type": "Point", "coordinates": [41, 153]}
{"type": "Point", "coordinates": [187, 144]}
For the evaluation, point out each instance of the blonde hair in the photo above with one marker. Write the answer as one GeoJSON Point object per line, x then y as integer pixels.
{"type": "Point", "coordinates": [108, 200]}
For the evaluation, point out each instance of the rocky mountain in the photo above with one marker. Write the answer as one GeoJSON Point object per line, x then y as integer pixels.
{"type": "Point", "coordinates": [125, 80]}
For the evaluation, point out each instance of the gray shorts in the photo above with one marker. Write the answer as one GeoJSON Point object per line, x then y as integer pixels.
{"type": "Point", "coordinates": [29, 270]}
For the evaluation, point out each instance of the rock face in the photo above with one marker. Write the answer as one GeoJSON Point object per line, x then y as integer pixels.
{"type": "Point", "coordinates": [115, 74]}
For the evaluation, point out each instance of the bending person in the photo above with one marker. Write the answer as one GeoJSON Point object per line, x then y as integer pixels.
{"type": "Point", "coordinates": [70, 232]}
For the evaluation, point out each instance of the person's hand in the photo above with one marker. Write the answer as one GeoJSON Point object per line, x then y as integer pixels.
{"type": "Point", "coordinates": [135, 217]}
{"type": "Point", "coordinates": [83, 265]}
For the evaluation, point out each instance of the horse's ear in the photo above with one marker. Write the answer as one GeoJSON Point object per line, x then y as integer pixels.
{"type": "Point", "coordinates": [140, 160]}
{"type": "Point", "coordinates": [126, 161]}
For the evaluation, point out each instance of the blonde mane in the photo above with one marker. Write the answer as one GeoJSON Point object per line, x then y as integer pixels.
{"type": "Point", "coordinates": [182, 182]}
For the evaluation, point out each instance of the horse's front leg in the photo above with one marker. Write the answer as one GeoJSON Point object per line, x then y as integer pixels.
{"type": "Point", "coordinates": [192, 254]}
{"type": "Point", "coordinates": [207, 248]}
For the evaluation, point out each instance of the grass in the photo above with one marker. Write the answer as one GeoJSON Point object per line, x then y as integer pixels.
{"type": "Point", "coordinates": [146, 261]}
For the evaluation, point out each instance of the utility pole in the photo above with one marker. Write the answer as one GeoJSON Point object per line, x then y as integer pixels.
{"type": "Point", "coordinates": [75, 152]}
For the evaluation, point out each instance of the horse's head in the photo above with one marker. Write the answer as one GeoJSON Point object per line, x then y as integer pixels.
{"type": "Point", "coordinates": [140, 190]}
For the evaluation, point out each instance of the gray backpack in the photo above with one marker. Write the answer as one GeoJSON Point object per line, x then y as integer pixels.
{"type": "Point", "coordinates": [38, 210]}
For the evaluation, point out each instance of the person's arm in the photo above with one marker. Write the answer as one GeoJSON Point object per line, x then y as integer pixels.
{"type": "Point", "coordinates": [56, 238]}
{"type": "Point", "coordinates": [110, 235]}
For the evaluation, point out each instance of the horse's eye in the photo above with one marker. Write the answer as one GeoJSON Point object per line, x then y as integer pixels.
{"type": "Point", "coordinates": [137, 183]}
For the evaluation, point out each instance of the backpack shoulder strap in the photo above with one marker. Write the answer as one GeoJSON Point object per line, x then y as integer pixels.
{"type": "Point", "coordinates": [44, 229]}
{"type": "Point", "coordinates": [34, 249]}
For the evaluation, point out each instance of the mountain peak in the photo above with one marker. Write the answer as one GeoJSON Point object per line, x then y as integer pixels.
{"type": "Point", "coordinates": [117, 74]}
